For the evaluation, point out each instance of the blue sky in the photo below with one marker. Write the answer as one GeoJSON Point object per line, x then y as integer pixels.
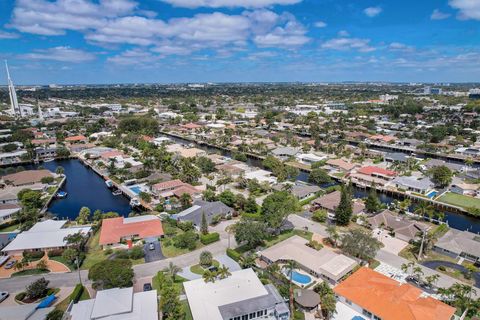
{"type": "Point", "coordinates": [137, 41]}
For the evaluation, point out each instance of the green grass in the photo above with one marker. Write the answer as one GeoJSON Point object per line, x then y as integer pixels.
{"type": "Point", "coordinates": [29, 272]}
{"type": "Point", "coordinates": [64, 303]}
{"type": "Point", "coordinates": [198, 269]}
{"type": "Point", "coordinates": [63, 261]}
{"type": "Point", "coordinates": [178, 283]}
{"type": "Point", "coordinates": [186, 307]}
{"type": "Point", "coordinates": [10, 228]}
{"type": "Point", "coordinates": [298, 315]}
{"type": "Point", "coordinates": [95, 253]}
{"type": "Point", "coordinates": [459, 200]}
{"type": "Point", "coordinates": [172, 251]}
{"type": "Point", "coordinates": [287, 234]}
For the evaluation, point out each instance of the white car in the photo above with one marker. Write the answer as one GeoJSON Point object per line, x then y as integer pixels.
{"type": "Point", "coordinates": [151, 246]}
{"type": "Point", "coordinates": [3, 295]}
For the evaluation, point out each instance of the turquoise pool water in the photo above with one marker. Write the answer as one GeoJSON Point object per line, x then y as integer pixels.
{"type": "Point", "coordinates": [300, 277]}
{"type": "Point", "coordinates": [432, 194]}
{"type": "Point", "coordinates": [136, 189]}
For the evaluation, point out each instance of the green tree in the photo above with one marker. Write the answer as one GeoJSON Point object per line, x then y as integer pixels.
{"type": "Point", "coordinates": [344, 211]}
{"type": "Point", "coordinates": [209, 195]}
{"type": "Point", "coordinates": [319, 176]}
{"type": "Point", "coordinates": [170, 304]}
{"type": "Point", "coordinates": [224, 272]}
{"type": "Point", "coordinates": [107, 274]}
{"type": "Point", "coordinates": [227, 197]}
{"type": "Point", "coordinates": [37, 289]}
{"type": "Point", "coordinates": [372, 203]}
{"type": "Point", "coordinates": [250, 205]}
{"type": "Point", "coordinates": [59, 170]}
{"type": "Point", "coordinates": [250, 232]}
{"type": "Point", "coordinates": [333, 234]}
{"type": "Point", "coordinates": [56, 314]}
{"type": "Point", "coordinates": [204, 224]}
{"type": "Point", "coordinates": [360, 244]}
{"type": "Point", "coordinates": [441, 176]}
{"type": "Point", "coordinates": [30, 199]}
{"type": "Point", "coordinates": [145, 196]}
{"type": "Point", "coordinates": [172, 270]}
{"type": "Point", "coordinates": [185, 200]}
{"type": "Point", "coordinates": [186, 240]}
{"type": "Point", "coordinates": [83, 215]}
{"type": "Point", "coordinates": [205, 164]}
{"type": "Point", "coordinates": [277, 206]}
{"type": "Point", "coordinates": [206, 258]}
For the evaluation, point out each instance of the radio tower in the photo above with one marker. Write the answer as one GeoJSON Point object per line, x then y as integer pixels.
{"type": "Point", "coordinates": [13, 93]}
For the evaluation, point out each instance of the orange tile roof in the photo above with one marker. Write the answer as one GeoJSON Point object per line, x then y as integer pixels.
{"type": "Point", "coordinates": [76, 138]}
{"type": "Point", "coordinates": [369, 170]}
{"type": "Point", "coordinates": [168, 185]}
{"type": "Point", "coordinates": [114, 229]}
{"type": "Point", "coordinates": [185, 189]}
{"type": "Point", "coordinates": [389, 299]}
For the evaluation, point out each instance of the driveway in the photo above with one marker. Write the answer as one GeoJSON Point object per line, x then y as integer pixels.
{"type": "Point", "coordinates": [391, 244]}
{"type": "Point", "coordinates": [153, 255]}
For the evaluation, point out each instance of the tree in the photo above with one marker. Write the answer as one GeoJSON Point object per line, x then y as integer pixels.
{"type": "Point", "coordinates": [185, 200]}
{"type": "Point", "coordinates": [173, 270]}
{"type": "Point", "coordinates": [277, 206]}
{"type": "Point", "coordinates": [227, 197]}
{"type": "Point", "coordinates": [83, 215]}
{"type": "Point", "coordinates": [250, 232]}
{"type": "Point", "coordinates": [432, 279]}
{"type": "Point", "coordinates": [441, 176]}
{"type": "Point", "coordinates": [169, 301]}
{"type": "Point", "coordinates": [59, 170]}
{"type": "Point", "coordinates": [223, 272]}
{"type": "Point", "coordinates": [461, 297]}
{"type": "Point", "coordinates": [107, 274]}
{"type": "Point", "coordinates": [333, 234]}
{"type": "Point", "coordinates": [327, 299]}
{"type": "Point", "coordinates": [42, 265]}
{"type": "Point", "coordinates": [250, 205]}
{"type": "Point", "coordinates": [360, 244]}
{"type": "Point", "coordinates": [186, 240]}
{"type": "Point", "coordinates": [209, 195]}
{"type": "Point", "coordinates": [319, 176]}
{"type": "Point", "coordinates": [30, 199]}
{"type": "Point", "coordinates": [344, 211]}
{"type": "Point", "coordinates": [147, 197]}
{"type": "Point", "coordinates": [56, 314]}
{"type": "Point", "coordinates": [248, 261]}
{"type": "Point", "coordinates": [206, 258]}
{"type": "Point", "coordinates": [37, 289]}
{"type": "Point", "coordinates": [320, 215]}
{"type": "Point", "coordinates": [209, 276]}
{"type": "Point", "coordinates": [97, 215]}
{"type": "Point", "coordinates": [204, 224]}
{"type": "Point", "coordinates": [205, 164]}
{"type": "Point", "coordinates": [372, 203]}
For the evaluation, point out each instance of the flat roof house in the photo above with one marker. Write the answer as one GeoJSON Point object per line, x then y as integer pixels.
{"type": "Point", "coordinates": [324, 263]}
{"type": "Point", "coordinates": [9, 195]}
{"type": "Point", "coordinates": [241, 296]}
{"type": "Point", "coordinates": [456, 243]}
{"type": "Point", "coordinates": [379, 297]}
{"type": "Point", "coordinates": [46, 235]}
{"type": "Point", "coordinates": [117, 304]}
{"type": "Point", "coordinates": [114, 230]}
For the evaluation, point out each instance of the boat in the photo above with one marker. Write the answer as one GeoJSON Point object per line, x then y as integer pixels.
{"type": "Point", "coordinates": [109, 183]}
{"type": "Point", "coordinates": [49, 160]}
{"type": "Point", "coordinates": [134, 202]}
{"type": "Point", "coordinates": [61, 194]}
{"type": "Point", "coordinates": [117, 192]}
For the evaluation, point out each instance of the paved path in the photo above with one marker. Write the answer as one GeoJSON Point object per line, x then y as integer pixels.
{"type": "Point", "coordinates": [189, 275]}
{"type": "Point", "coordinates": [227, 261]}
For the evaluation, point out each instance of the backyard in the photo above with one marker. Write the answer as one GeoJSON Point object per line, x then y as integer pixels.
{"type": "Point", "coordinates": [460, 200]}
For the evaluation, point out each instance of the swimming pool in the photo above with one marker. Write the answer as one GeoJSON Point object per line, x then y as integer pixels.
{"type": "Point", "coordinates": [432, 194]}
{"type": "Point", "coordinates": [300, 277]}
{"type": "Point", "coordinates": [136, 189]}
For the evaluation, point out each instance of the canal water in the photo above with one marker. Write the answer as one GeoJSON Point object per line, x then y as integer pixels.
{"type": "Point", "coordinates": [85, 189]}
{"type": "Point", "coordinates": [455, 220]}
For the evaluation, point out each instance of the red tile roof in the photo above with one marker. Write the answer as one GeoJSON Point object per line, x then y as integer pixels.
{"type": "Point", "coordinates": [114, 229]}
{"type": "Point", "coordinates": [168, 185]}
{"type": "Point", "coordinates": [369, 170]}
{"type": "Point", "coordinates": [191, 126]}
{"type": "Point", "coordinates": [185, 189]}
{"type": "Point", "coordinates": [76, 138]}
{"type": "Point", "coordinates": [389, 299]}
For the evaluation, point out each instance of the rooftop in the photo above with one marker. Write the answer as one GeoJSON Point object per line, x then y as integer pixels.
{"type": "Point", "coordinates": [114, 229]}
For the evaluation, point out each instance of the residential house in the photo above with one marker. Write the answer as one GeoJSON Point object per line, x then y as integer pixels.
{"type": "Point", "coordinates": [300, 190]}
{"type": "Point", "coordinates": [200, 207]}
{"type": "Point", "coordinates": [284, 153]}
{"type": "Point", "coordinates": [175, 188]}
{"type": "Point", "coordinates": [76, 139]}
{"type": "Point", "coordinates": [10, 194]}
{"type": "Point", "coordinates": [29, 311]}
{"type": "Point", "coordinates": [240, 296]}
{"type": "Point", "coordinates": [379, 297]}
{"type": "Point", "coordinates": [467, 189]}
{"type": "Point", "coordinates": [372, 175]}
{"type": "Point", "coordinates": [340, 165]}
{"type": "Point", "coordinates": [437, 163]}
{"type": "Point", "coordinates": [117, 304]}
{"type": "Point", "coordinates": [403, 229]}
{"type": "Point", "coordinates": [8, 211]}
{"type": "Point", "coordinates": [331, 201]}
{"type": "Point", "coordinates": [116, 230]}
{"type": "Point", "coordinates": [27, 177]}
{"type": "Point", "coordinates": [46, 235]}
{"type": "Point", "coordinates": [310, 158]}
{"type": "Point", "coordinates": [459, 244]}
{"type": "Point", "coordinates": [396, 157]}
{"type": "Point", "coordinates": [410, 183]}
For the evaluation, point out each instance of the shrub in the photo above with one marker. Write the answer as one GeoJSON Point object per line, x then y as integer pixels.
{"type": "Point", "coordinates": [33, 255]}
{"type": "Point", "coordinates": [209, 238]}
{"type": "Point", "coordinates": [108, 251]}
{"type": "Point", "coordinates": [37, 289]}
{"type": "Point", "coordinates": [186, 240]}
{"type": "Point", "coordinates": [77, 293]}
{"type": "Point", "coordinates": [315, 245]}
{"type": "Point", "coordinates": [320, 216]}
{"type": "Point", "coordinates": [185, 225]}
{"type": "Point", "coordinates": [442, 268]}
{"type": "Point", "coordinates": [20, 296]}
{"type": "Point", "coordinates": [55, 253]}
{"type": "Point", "coordinates": [122, 254]}
{"type": "Point", "coordinates": [216, 220]}
{"type": "Point", "coordinates": [55, 315]}
{"type": "Point", "coordinates": [137, 253]}
{"type": "Point", "coordinates": [47, 180]}
{"type": "Point", "coordinates": [206, 259]}
{"type": "Point", "coordinates": [233, 254]}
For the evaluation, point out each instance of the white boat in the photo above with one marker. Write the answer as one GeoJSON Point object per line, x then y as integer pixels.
{"type": "Point", "coordinates": [134, 202]}
{"type": "Point", "coordinates": [61, 194]}
{"type": "Point", "coordinates": [49, 160]}
{"type": "Point", "coordinates": [117, 192]}
{"type": "Point", "coordinates": [109, 183]}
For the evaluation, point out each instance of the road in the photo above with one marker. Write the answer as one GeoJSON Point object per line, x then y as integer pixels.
{"type": "Point", "coordinates": [150, 269]}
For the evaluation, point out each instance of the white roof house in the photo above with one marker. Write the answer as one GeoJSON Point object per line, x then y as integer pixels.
{"type": "Point", "coordinates": [239, 294]}
{"type": "Point", "coordinates": [118, 304]}
{"type": "Point", "coordinates": [261, 175]}
{"type": "Point", "coordinates": [44, 235]}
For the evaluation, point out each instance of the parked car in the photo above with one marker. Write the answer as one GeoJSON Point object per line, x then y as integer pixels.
{"type": "Point", "coordinates": [10, 264]}
{"type": "Point", "coordinates": [3, 295]}
{"type": "Point", "coordinates": [151, 246]}
{"type": "Point", "coordinates": [147, 287]}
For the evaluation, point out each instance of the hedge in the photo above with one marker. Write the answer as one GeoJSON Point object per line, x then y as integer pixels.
{"type": "Point", "coordinates": [233, 254]}
{"type": "Point", "coordinates": [55, 253]}
{"type": "Point", "coordinates": [209, 238]}
{"type": "Point", "coordinates": [77, 293]}
{"type": "Point", "coordinates": [33, 255]}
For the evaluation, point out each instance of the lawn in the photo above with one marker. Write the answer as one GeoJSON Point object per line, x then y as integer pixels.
{"type": "Point", "coordinates": [95, 253]}
{"type": "Point", "coordinates": [10, 228]}
{"type": "Point", "coordinates": [460, 200]}
{"type": "Point", "coordinates": [287, 234]}
{"type": "Point", "coordinates": [63, 261]}
{"type": "Point", "coordinates": [29, 272]}
{"type": "Point", "coordinates": [172, 251]}
{"type": "Point", "coordinates": [64, 303]}
{"type": "Point", "coordinates": [186, 307]}
{"type": "Point", "coordinates": [198, 269]}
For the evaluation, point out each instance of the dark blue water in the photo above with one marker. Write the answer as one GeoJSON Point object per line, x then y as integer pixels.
{"type": "Point", "coordinates": [85, 189]}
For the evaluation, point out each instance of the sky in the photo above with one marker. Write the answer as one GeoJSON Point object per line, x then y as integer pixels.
{"type": "Point", "coordinates": [168, 41]}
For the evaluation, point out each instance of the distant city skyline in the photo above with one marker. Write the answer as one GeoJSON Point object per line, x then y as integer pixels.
{"type": "Point", "coordinates": [168, 41]}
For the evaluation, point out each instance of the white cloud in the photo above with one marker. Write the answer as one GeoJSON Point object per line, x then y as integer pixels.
{"type": "Point", "coordinates": [397, 46]}
{"type": "Point", "coordinates": [290, 35]}
{"type": "Point", "coordinates": [229, 3]}
{"type": "Point", "coordinates": [438, 15]}
{"type": "Point", "coordinates": [134, 57]}
{"type": "Point", "coordinates": [320, 24]}
{"type": "Point", "coordinates": [372, 11]}
{"type": "Point", "coordinates": [64, 54]}
{"type": "Point", "coordinates": [343, 33]}
{"type": "Point", "coordinates": [469, 9]}
{"type": "Point", "coordinates": [345, 44]}
{"type": "Point", "coordinates": [8, 35]}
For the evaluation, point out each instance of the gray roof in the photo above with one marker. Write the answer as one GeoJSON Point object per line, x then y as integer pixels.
{"type": "Point", "coordinates": [436, 163]}
{"type": "Point", "coordinates": [270, 300]}
{"type": "Point", "coordinates": [460, 241]}
{"type": "Point", "coordinates": [301, 191]}
{"type": "Point", "coordinates": [307, 298]}
{"type": "Point", "coordinates": [282, 151]}
{"type": "Point", "coordinates": [405, 227]}
{"type": "Point", "coordinates": [195, 212]}
{"type": "Point", "coordinates": [396, 156]}
{"type": "Point", "coordinates": [412, 182]}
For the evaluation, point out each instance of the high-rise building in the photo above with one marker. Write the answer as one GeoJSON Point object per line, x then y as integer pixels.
{"type": "Point", "coordinates": [13, 94]}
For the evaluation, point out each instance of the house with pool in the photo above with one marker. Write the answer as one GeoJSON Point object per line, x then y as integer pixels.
{"type": "Point", "coordinates": [313, 265]}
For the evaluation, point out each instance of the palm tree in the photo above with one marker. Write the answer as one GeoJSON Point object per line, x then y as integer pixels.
{"type": "Point", "coordinates": [432, 279]}
{"type": "Point", "coordinates": [172, 270]}
{"type": "Point", "coordinates": [248, 261]}
{"type": "Point", "coordinates": [417, 272]}
{"type": "Point", "coordinates": [405, 267]}
{"type": "Point", "coordinates": [209, 276]}
{"type": "Point", "coordinates": [333, 234]}
{"type": "Point", "coordinates": [224, 272]}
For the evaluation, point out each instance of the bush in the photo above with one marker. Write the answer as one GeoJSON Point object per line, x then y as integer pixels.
{"type": "Point", "coordinates": [233, 254]}
{"type": "Point", "coordinates": [37, 289]}
{"type": "Point", "coordinates": [206, 259]}
{"type": "Point", "coordinates": [209, 238]}
{"type": "Point", "coordinates": [47, 180]}
{"type": "Point", "coordinates": [77, 293]}
{"type": "Point", "coordinates": [186, 240]}
{"type": "Point", "coordinates": [55, 315]}
{"type": "Point", "coordinates": [20, 296]}
{"type": "Point", "coordinates": [33, 255]}
{"type": "Point", "coordinates": [108, 251]}
{"type": "Point", "coordinates": [320, 216]}
{"type": "Point", "coordinates": [185, 225]}
{"type": "Point", "coordinates": [315, 245]}
{"type": "Point", "coordinates": [55, 253]}
{"type": "Point", "coordinates": [442, 268]}
{"type": "Point", "coordinates": [122, 254]}
{"type": "Point", "coordinates": [137, 253]}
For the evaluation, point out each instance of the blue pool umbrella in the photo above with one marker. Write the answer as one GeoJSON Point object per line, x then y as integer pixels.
{"type": "Point", "coordinates": [46, 302]}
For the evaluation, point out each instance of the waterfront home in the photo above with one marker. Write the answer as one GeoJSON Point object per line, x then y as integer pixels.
{"type": "Point", "coordinates": [300, 190]}
{"type": "Point", "coordinates": [382, 138]}
{"type": "Point", "coordinates": [114, 231]}
{"type": "Point", "coordinates": [323, 263]}
{"type": "Point", "coordinates": [229, 170]}
{"type": "Point", "coordinates": [468, 151]}
{"type": "Point", "coordinates": [237, 297]}
{"type": "Point", "coordinates": [340, 165]}
{"type": "Point", "coordinates": [369, 175]}
{"type": "Point", "coordinates": [117, 304]}
{"type": "Point", "coordinates": [190, 127]}
{"type": "Point", "coordinates": [9, 194]}
{"type": "Point", "coordinates": [410, 183]}
{"type": "Point", "coordinates": [459, 244]}
{"type": "Point", "coordinates": [43, 153]}
{"type": "Point", "coordinates": [8, 211]}
{"type": "Point", "coordinates": [331, 201]}
{"type": "Point", "coordinates": [175, 188]}
{"type": "Point", "coordinates": [44, 236]}
{"type": "Point", "coordinates": [27, 177]}
{"type": "Point", "coordinates": [377, 296]}
{"type": "Point", "coordinates": [284, 153]}
{"type": "Point", "coordinates": [185, 152]}
{"type": "Point", "coordinates": [310, 158]}
{"type": "Point", "coordinates": [408, 142]}
{"type": "Point", "coordinates": [432, 163]}
{"type": "Point", "coordinates": [76, 139]}
{"type": "Point", "coordinates": [199, 208]}
{"type": "Point", "coordinates": [12, 157]}
{"type": "Point", "coordinates": [395, 157]}
{"type": "Point", "coordinates": [403, 229]}
{"type": "Point", "coordinates": [261, 176]}
{"type": "Point", "coordinates": [467, 189]}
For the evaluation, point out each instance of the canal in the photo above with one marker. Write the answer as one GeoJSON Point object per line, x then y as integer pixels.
{"type": "Point", "coordinates": [85, 189]}
{"type": "Point", "coordinates": [455, 220]}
